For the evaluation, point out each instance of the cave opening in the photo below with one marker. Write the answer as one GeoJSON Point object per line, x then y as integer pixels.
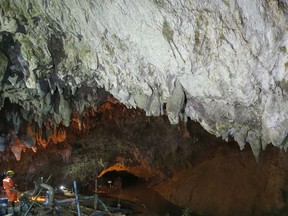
{"type": "Point", "coordinates": [120, 180]}
{"type": "Point", "coordinates": [128, 190]}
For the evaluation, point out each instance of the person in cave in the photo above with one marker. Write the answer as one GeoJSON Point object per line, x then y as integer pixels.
{"type": "Point", "coordinates": [10, 188]}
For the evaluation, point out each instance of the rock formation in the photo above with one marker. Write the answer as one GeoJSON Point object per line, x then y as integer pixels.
{"type": "Point", "coordinates": [221, 63]}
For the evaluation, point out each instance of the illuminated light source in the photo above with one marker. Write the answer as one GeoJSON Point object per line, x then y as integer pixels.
{"type": "Point", "coordinates": [110, 182]}
{"type": "Point", "coordinates": [66, 191]}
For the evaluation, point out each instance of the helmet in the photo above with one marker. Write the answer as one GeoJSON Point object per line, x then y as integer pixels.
{"type": "Point", "coordinates": [10, 173]}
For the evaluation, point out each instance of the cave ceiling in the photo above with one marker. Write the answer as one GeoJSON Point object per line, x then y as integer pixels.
{"type": "Point", "coordinates": [221, 63]}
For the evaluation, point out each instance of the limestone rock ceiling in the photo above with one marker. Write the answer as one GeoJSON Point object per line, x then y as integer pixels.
{"type": "Point", "coordinates": [221, 63]}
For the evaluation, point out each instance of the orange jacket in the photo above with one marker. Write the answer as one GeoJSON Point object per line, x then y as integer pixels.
{"type": "Point", "coordinates": [8, 183]}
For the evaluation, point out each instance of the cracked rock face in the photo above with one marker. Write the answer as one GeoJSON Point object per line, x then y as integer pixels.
{"type": "Point", "coordinates": [221, 63]}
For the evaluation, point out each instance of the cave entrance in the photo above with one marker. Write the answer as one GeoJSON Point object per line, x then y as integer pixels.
{"type": "Point", "coordinates": [119, 180]}
{"type": "Point", "coordinates": [131, 190]}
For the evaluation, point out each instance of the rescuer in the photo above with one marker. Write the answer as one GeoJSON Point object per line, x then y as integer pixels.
{"type": "Point", "coordinates": [9, 187]}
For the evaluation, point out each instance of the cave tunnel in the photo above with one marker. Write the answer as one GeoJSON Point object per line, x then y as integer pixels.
{"type": "Point", "coordinates": [120, 179]}
{"type": "Point", "coordinates": [111, 182]}
{"type": "Point", "coordinates": [135, 193]}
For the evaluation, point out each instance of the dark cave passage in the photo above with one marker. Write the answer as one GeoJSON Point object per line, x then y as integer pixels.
{"type": "Point", "coordinates": [120, 179]}
{"type": "Point", "coordinates": [125, 187]}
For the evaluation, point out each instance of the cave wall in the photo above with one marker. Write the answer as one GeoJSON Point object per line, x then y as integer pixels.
{"type": "Point", "coordinates": [231, 182]}
{"type": "Point", "coordinates": [107, 137]}
{"type": "Point", "coordinates": [221, 63]}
